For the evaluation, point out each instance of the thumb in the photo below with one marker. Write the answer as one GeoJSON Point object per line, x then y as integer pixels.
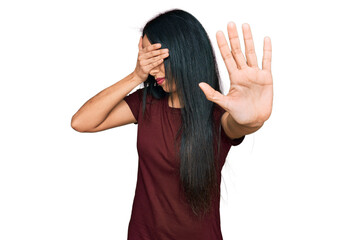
{"type": "Point", "coordinates": [212, 95]}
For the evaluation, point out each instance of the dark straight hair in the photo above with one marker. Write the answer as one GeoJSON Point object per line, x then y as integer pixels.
{"type": "Point", "coordinates": [191, 61]}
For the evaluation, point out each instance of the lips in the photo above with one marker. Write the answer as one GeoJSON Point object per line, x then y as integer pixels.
{"type": "Point", "coordinates": [160, 80]}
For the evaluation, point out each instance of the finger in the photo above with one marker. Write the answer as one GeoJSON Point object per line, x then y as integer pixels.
{"type": "Point", "coordinates": [140, 44]}
{"type": "Point", "coordinates": [152, 65]}
{"type": "Point", "coordinates": [267, 54]}
{"type": "Point", "coordinates": [152, 47]}
{"type": "Point", "coordinates": [249, 46]}
{"type": "Point", "coordinates": [153, 53]}
{"type": "Point", "coordinates": [235, 46]}
{"type": "Point", "coordinates": [146, 62]}
{"type": "Point", "coordinates": [212, 95]}
{"type": "Point", "coordinates": [225, 52]}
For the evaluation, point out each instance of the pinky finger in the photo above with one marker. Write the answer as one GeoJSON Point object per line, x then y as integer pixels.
{"type": "Point", "coordinates": [154, 64]}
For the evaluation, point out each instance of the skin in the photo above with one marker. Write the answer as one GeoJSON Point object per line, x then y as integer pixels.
{"type": "Point", "coordinates": [108, 109]}
{"type": "Point", "coordinates": [159, 72]}
{"type": "Point", "coordinates": [249, 101]}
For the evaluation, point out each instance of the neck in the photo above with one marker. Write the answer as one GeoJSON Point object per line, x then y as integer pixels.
{"type": "Point", "coordinates": [173, 100]}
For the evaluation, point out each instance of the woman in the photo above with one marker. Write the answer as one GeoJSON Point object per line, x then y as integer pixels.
{"type": "Point", "coordinates": [185, 125]}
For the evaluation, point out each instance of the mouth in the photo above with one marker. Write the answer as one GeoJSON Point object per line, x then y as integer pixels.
{"type": "Point", "coordinates": [160, 80]}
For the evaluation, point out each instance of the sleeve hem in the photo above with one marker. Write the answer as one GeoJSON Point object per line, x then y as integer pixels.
{"type": "Point", "coordinates": [233, 142]}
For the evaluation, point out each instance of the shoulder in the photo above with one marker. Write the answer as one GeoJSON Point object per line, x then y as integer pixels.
{"type": "Point", "coordinates": [137, 96]}
{"type": "Point", "coordinates": [134, 96]}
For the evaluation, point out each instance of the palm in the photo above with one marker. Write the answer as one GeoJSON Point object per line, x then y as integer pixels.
{"type": "Point", "coordinates": [250, 96]}
{"type": "Point", "coordinates": [249, 100]}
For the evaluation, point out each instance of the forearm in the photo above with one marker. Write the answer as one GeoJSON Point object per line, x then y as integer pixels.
{"type": "Point", "coordinates": [96, 109]}
{"type": "Point", "coordinates": [236, 130]}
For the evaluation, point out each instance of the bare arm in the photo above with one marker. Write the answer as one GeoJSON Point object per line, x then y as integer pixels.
{"type": "Point", "coordinates": [249, 101]}
{"type": "Point", "coordinates": [107, 103]}
{"type": "Point", "coordinates": [234, 130]}
{"type": "Point", "coordinates": [107, 109]}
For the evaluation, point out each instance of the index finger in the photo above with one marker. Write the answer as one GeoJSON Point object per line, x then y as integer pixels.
{"type": "Point", "coordinates": [140, 44]}
{"type": "Point", "coordinates": [152, 47]}
{"type": "Point", "coordinates": [225, 52]}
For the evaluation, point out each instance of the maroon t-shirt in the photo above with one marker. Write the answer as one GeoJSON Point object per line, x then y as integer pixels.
{"type": "Point", "coordinates": [160, 210]}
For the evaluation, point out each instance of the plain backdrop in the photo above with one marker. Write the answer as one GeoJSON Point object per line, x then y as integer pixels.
{"type": "Point", "coordinates": [298, 177]}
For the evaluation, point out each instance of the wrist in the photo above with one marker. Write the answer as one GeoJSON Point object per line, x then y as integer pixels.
{"type": "Point", "coordinates": [137, 78]}
{"type": "Point", "coordinates": [232, 121]}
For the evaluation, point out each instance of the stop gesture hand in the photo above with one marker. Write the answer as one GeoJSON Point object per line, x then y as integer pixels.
{"type": "Point", "coordinates": [250, 98]}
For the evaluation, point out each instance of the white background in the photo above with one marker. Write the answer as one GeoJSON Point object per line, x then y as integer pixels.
{"type": "Point", "coordinates": [299, 177]}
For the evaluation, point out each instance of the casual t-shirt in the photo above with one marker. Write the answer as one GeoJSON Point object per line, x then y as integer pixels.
{"type": "Point", "coordinates": [160, 210]}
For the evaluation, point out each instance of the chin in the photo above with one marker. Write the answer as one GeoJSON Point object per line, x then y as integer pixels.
{"type": "Point", "coordinates": [169, 91]}
{"type": "Point", "coordinates": [166, 90]}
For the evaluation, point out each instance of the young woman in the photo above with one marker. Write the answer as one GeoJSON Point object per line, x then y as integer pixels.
{"type": "Point", "coordinates": [185, 125]}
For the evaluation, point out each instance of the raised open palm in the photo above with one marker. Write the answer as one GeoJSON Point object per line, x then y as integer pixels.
{"type": "Point", "coordinates": [250, 98]}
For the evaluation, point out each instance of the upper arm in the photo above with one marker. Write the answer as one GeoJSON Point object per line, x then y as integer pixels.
{"type": "Point", "coordinates": [120, 115]}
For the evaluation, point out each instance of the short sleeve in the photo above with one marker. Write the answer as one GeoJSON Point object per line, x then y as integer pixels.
{"type": "Point", "coordinates": [134, 101]}
{"type": "Point", "coordinates": [233, 142]}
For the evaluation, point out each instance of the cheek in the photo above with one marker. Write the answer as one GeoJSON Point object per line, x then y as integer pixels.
{"type": "Point", "coordinates": [163, 68]}
{"type": "Point", "coordinates": [172, 88]}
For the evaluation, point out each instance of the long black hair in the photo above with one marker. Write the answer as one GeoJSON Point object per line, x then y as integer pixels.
{"type": "Point", "coordinates": [191, 61]}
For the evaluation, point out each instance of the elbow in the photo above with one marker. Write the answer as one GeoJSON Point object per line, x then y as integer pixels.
{"type": "Point", "coordinates": [76, 125]}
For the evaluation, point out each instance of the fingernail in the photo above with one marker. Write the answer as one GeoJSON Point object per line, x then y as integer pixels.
{"type": "Point", "coordinates": [231, 24]}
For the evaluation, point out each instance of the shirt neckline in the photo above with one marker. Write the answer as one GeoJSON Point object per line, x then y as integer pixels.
{"type": "Point", "coordinates": [170, 108]}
